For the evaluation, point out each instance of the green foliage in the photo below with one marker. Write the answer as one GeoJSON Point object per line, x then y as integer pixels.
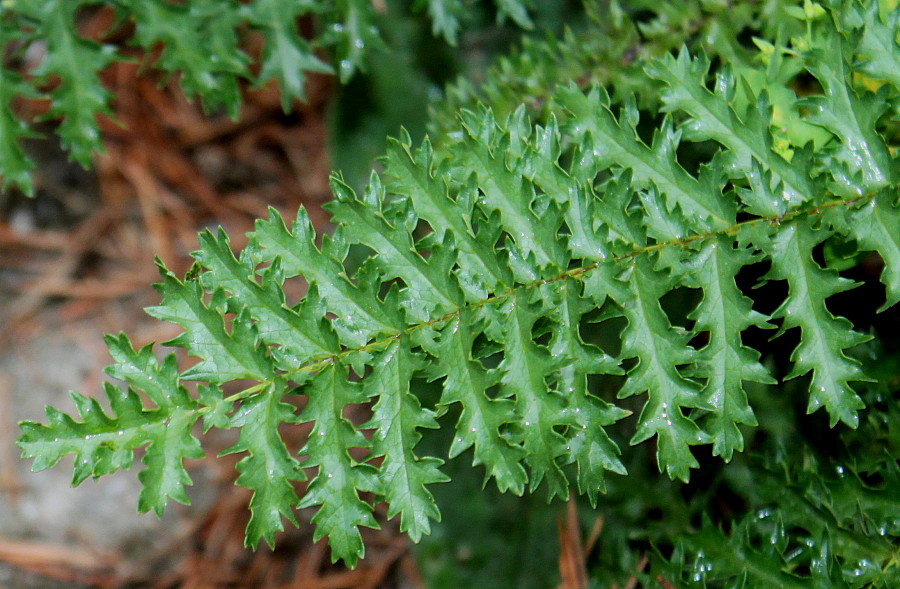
{"type": "Point", "coordinates": [551, 280]}
{"type": "Point", "coordinates": [201, 43]}
{"type": "Point", "coordinates": [611, 50]}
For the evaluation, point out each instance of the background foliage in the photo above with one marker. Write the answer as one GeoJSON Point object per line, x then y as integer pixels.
{"type": "Point", "coordinates": [598, 219]}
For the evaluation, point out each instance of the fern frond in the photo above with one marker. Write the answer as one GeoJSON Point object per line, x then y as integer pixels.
{"type": "Point", "coordinates": [877, 46]}
{"type": "Point", "coordinates": [874, 225]}
{"type": "Point", "coordinates": [445, 16]}
{"type": "Point", "coordinates": [660, 349]}
{"type": "Point", "coordinates": [485, 265]}
{"type": "Point", "coordinates": [297, 333]}
{"type": "Point", "coordinates": [747, 138]}
{"type": "Point", "coordinates": [606, 49]}
{"type": "Point", "coordinates": [430, 290]}
{"type": "Point", "coordinates": [414, 175]}
{"type": "Point", "coordinates": [540, 410]}
{"type": "Point", "coordinates": [503, 188]}
{"type": "Point", "coordinates": [589, 445]}
{"type": "Point", "coordinates": [200, 42]}
{"type": "Point", "coordinates": [848, 116]}
{"type": "Point", "coordinates": [821, 535]}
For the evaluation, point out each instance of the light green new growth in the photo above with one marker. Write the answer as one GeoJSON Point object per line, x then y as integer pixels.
{"type": "Point", "coordinates": [488, 259]}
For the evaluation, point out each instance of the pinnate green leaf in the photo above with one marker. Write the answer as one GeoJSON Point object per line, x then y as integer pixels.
{"type": "Point", "coordinates": [15, 165]}
{"type": "Point", "coordinates": [198, 41]}
{"type": "Point", "coordinates": [103, 444]}
{"type": "Point", "coordinates": [851, 117]}
{"type": "Point", "coordinates": [725, 362]}
{"type": "Point", "coordinates": [521, 268]}
{"type": "Point", "coordinates": [413, 174]}
{"type": "Point", "coordinates": [165, 476]}
{"type": "Point", "coordinates": [615, 142]}
{"type": "Point", "coordinates": [296, 334]}
{"type": "Point", "coordinates": [874, 225]}
{"type": "Point", "coordinates": [746, 135]}
{"type": "Point", "coordinates": [268, 469]}
{"type": "Point", "coordinates": [286, 56]}
{"type": "Point", "coordinates": [445, 15]}
{"type": "Point", "coordinates": [589, 446]}
{"type": "Point", "coordinates": [224, 356]}
{"type": "Point", "coordinates": [660, 349]}
{"type": "Point", "coordinates": [357, 315]}
{"type": "Point", "coordinates": [878, 45]}
{"type": "Point", "coordinates": [396, 417]}
{"type": "Point", "coordinates": [524, 379]}
{"type": "Point", "coordinates": [76, 62]}
{"type": "Point", "coordinates": [467, 382]}
{"type": "Point", "coordinates": [823, 337]}
{"type": "Point", "coordinates": [339, 477]}
{"type": "Point", "coordinates": [430, 290]}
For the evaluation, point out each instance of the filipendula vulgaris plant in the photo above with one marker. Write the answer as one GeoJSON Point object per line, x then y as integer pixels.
{"type": "Point", "coordinates": [498, 248]}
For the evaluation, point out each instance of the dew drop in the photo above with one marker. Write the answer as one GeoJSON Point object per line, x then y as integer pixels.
{"type": "Point", "coordinates": [763, 513]}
